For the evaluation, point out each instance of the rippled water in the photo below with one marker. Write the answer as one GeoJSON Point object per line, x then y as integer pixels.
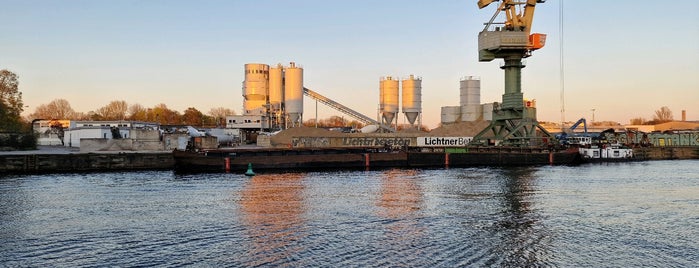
{"type": "Point", "coordinates": [614, 215]}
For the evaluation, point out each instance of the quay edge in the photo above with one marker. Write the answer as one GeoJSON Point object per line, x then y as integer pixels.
{"type": "Point", "coordinates": [85, 162]}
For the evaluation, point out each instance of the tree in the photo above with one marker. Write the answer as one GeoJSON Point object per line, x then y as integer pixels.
{"type": "Point", "coordinates": [192, 117]}
{"type": "Point", "coordinates": [663, 115]}
{"type": "Point", "coordinates": [56, 109]}
{"type": "Point", "coordinates": [638, 121]}
{"type": "Point", "coordinates": [217, 116]}
{"type": "Point", "coordinates": [11, 105]}
{"type": "Point", "coordinates": [115, 110]}
{"type": "Point", "coordinates": [220, 112]}
{"type": "Point", "coordinates": [163, 115]}
{"type": "Point", "coordinates": [137, 112]}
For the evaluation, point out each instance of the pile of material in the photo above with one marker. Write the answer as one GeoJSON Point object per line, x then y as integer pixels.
{"type": "Point", "coordinates": [284, 137]}
{"type": "Point", "coordinates": [460, 129]}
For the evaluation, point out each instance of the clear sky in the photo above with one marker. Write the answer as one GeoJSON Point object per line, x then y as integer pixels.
{"type": "Point", "coordinates": [625, 59]}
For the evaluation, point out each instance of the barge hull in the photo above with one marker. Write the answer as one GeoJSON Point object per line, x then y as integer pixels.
{"type": "Point", "coordinates": [296, 159]}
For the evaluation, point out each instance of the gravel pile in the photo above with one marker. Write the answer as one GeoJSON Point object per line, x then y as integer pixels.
{"type": "Point", "coordinates": [460, 129]}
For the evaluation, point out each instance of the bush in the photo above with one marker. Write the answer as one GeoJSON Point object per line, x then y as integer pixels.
{"type": "Point", "coordinates": [17, 141]}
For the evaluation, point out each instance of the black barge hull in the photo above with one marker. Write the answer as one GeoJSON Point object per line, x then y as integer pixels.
{"type": "Point", "coordinates": [362, 158]}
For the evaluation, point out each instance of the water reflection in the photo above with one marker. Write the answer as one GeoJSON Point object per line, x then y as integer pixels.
{"type": "Point", "coordinates": [15, 204]}
{"type": "Point", "coordinates": [401, 196]}
{"type": "Point", "coordinates": [399, 204]}
{"type": "Point", "coordinates": [272, 207]}
{"type": "Point", "coordinates": [522, 238]}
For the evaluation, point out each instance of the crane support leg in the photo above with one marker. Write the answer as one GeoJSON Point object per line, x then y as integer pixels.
{"type": "Point", "coordinates": [513, 123]}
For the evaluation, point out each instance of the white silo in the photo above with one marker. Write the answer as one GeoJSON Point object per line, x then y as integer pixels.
{"type": "Point", "coordinates": [276, 86]}
{"type": "Point", "coordinates": [412, 98]}
{"type": "Point", "coordinates": [389, 100]}
{"type": "Point", "coordinates": [255, 88]}
{"type": "Point", "coordinates": [470, 88]}
{"type": "Point", "coordinates": [276, 96]}
{"type": "Point", "coordinates": [293, 94]}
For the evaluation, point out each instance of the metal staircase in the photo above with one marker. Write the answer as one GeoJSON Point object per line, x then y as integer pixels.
{"type": "Point", "coordinates": [344, 109]}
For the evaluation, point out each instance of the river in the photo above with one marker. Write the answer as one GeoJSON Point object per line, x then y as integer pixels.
{"type": "Point", "coordinates": [593, 215]}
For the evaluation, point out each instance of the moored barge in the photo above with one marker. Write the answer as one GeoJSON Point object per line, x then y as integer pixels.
{"type": "Point", "coordinates": [237, 160]}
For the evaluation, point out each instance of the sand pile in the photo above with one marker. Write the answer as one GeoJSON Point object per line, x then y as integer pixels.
{"type": "Point", "coordinates": [284, 137]}
{"type": "Point", "coordinates": [410, 130]}
{"type": "Point", "coordinates": [460, 129]}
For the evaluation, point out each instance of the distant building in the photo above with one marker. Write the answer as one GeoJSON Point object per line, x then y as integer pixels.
{"type": "Point", "coordinates": [50, 132]}
{"type": "Point", "coordinates": [669, 126]}
{"type": "Point", "coordinates": [79, 130]}
{"type": "Point", "coordinates": [249, 126]}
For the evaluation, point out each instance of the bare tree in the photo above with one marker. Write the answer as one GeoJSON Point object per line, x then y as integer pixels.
{"type": "Point", "coordinates": [220, 112]}
{"type": "Point", "coordinates": [115, 110]}
{"type": "Point", "coordinates": [56, 109]}
{"type": "Point", "coordinates": [663, 115]}
{"type": "Point", "coordinates": [638, 121]}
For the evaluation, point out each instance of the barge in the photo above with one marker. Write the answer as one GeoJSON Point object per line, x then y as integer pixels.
{"type": "Point", "coordinates": [237, 160]}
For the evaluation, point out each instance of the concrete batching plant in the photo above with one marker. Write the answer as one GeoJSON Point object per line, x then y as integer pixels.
{"type": "Point", "coordinates": [411, 99]}
{"type": "Point", "coordinates": [275, 94]}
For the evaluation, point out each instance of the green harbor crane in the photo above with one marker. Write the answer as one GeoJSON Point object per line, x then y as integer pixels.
{"type": "Point", "coordinates": [514, 120]}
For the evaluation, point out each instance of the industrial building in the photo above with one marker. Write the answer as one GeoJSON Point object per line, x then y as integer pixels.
{"type": "Point", "coordinates": [470, 107]}
{"type": "Point", "coordinates": [81, 130]}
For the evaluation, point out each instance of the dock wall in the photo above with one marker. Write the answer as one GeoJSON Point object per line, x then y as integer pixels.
{"type": "Point", "coordinates": [50, 163]}
{"type": "Point", "coordinates": [666, 152]}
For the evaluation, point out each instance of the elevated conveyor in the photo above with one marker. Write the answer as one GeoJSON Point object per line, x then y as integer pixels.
{"type": "Point", "coordinates": [344, 109]}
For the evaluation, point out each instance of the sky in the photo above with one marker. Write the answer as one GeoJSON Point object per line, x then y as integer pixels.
{"type": "Point", "coordinates": [624, 59]}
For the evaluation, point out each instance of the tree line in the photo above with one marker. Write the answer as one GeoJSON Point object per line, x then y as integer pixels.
{"type": "Point", "coordinates": [662, 115]}
{"type": "Point", "coordinates": [121, 110]}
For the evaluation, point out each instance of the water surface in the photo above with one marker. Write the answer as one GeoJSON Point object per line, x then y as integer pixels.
{"type": "Point", "coordinates": [611, 215]}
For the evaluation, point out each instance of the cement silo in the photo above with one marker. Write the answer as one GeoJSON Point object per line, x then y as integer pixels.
{"type": "Point", "coordinates": [412, 98]}
{"type": "Point", "coordinates": [255, 88]}
{"type": "Point", "coordinates": [276, 86]}
{"type": "Point", "coordinates": [276, 96]}
{"type": "Point", "coordinates": [389, 99]}
{"type": "Point", "coordinates": [293, 94]}
{"type": "Point", "coordinates": [471, 109]}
